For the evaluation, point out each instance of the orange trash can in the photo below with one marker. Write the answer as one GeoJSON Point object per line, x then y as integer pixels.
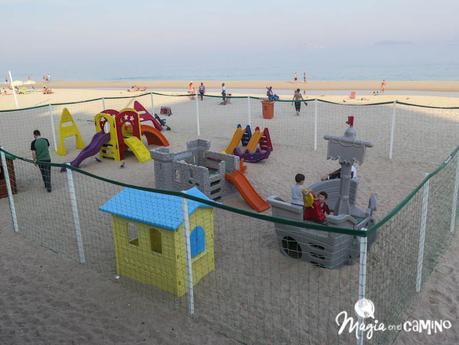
{"type": "Point", "coordinates": [267, 109]}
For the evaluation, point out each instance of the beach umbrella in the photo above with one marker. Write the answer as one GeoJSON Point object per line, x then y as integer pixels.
{"type": "Point", "coordinates": [29, 82]}
{"type": "Point", "coordinates": [17, 83]}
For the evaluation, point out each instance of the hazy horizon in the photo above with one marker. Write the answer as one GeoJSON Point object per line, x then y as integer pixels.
{"type": "Point", "coordinates": [336, 40]}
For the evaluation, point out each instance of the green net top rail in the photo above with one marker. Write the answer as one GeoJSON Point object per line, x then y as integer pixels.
{"type": "Point", "coordinates": [229, 97]}
{"type": "Point", "coordinates": [308, 225]}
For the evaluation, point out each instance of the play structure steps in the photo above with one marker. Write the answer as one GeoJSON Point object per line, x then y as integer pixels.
{"type": "Point", "coordinates": [107, 151]}
{"type": "Point", "coordinates": [216, 186]}
{"type": "Point", "coordinates": [247, 135]}
{"type": "Point", "coordinates": [138, 149]}
{"type": "Point", "coordinates": [248, 193]}
{"type": "Point", "coordinates": [265, 141]}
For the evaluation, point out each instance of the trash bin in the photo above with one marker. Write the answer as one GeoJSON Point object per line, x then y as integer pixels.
{"type": "Point", "coordinates": [267, 109]}
{"type": "Point", "coordinates": [3, 190]}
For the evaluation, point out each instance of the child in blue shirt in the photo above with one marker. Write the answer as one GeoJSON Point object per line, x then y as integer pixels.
{"type": "Point", "coordinates": [297, 190]}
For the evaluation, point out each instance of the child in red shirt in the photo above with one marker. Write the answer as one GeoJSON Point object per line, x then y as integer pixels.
{"type": "Point", "coordinates": [312, 208]}
{"type": "Point", "coordinates": [323, 196]}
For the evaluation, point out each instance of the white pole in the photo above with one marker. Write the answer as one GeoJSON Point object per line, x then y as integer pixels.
{"type": "Point", "coordinates": [10, 191]}
{"type": "Point", "coordinates": [455, 195]}
{"type": "Point", "coordinates": [103, 103]}
{"type": "Point", "coordinates": [152, 104]}
{"type": "Point", "coordinates": [422, 234]}
{"type": "Point", "coordinates": [392, 129]}
{"type": "Point", "coordinates": [249, 108]}
{"type": "Point", "coordinates": [50, 107]}
{"type": "Point", "coordinates": [315, 124]}
{"type": "Point", "coordinates": [198, 127]}
{"type": "Point", "coordinates": [189, 268]}
{"type": "Point", "coordinates": [362, 279]}
{"type": "Point", "coordinates": [76, 217]}
{"type": "Point", "coordinates": [14, 91]}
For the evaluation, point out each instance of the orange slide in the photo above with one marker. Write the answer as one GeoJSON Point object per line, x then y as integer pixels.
{"type": "Point", "coordinates": [248, 193]}
{"type": "Point", "coordinates": [154, 137]}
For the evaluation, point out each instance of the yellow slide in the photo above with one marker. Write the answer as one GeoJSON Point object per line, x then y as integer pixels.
{"type": "Point", "coordinates": [138, 149]}
{"type": "Point", "coordinates": [237, 136]}
{"type": "Point", "coordinates": [252, 145]}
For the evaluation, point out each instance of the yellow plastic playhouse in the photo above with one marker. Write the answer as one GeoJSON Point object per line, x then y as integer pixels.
{"type": "Point", "coordinates": [148, 233]}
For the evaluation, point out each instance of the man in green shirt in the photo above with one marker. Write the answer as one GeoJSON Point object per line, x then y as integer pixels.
{"type": "Point", "coordinates": [41, 157]}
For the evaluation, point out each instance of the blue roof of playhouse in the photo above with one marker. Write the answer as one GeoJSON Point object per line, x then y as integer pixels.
{"type": "Point", "coordinates": [159, 210]}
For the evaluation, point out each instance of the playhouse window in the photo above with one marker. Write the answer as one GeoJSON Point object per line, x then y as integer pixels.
{"type": "Point", "coordinates": [197, 241]}
{"type": "Point", "coordinates": [133, 237]}
{"type": "Point", "coordinates": [155, 241]}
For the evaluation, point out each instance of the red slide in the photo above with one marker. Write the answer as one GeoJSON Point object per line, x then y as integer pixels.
{"type": "Point", "coordinates": [154, 137]}
{"type": "Point", "coordinates": [248, 193]}
{"type": "Point", "coordinates": [146, 116]}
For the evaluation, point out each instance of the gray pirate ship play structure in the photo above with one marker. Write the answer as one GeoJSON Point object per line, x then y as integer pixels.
{"type": "Point", "coordinates": [327, 249]}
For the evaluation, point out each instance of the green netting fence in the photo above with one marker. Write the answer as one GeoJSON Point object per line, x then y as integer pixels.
{"type": "Point", "coordinates": [222, 263]}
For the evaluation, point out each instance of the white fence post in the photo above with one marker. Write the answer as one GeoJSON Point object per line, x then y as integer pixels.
{"type": "Point", "coordinates": [455, 195]}
{"type": "Point", "coordinates": [103, 103]}
{"type": "Point", "coordinates": [315, 124]}
{"type": "Point", "coordinates": [249, 111]}
{"type": "Point", "coordinates": [392, 129]}
{"type": "Point", "coordinates": [53, 129]}
{"type": "Point", "coordinates": [14, 90]}
{"type": "Point", "coordinates": [198, 126]}
{"type": "Point", "coordinates": [422, 234]}
{"type": "Point", "coordinates": [9, 189]}
{"type": "Point", "coordinates": [152, 104]}
{"type": "Point", "coordinates": [189, 268]}
{"type": "Point", "coordinates": [76, 217]}
{"type": "Point", "coordinates": [362, 279]}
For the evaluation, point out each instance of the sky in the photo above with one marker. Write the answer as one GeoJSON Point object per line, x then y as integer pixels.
{"type": "Point", "coordinates": [123, 39]}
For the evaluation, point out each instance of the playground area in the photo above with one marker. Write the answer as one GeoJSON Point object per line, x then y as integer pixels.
{"type": "Point", "coordinates": [248, 290]}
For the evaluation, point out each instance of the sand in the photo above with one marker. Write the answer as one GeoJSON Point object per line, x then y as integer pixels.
{"type": "Point", "coordinates": [427, 85]}
{"type": "Point", "coordinates": [255, 291]}
{"type": "Point", "coordinates": [76, 91]}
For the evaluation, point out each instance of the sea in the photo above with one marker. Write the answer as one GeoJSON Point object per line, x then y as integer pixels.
{"type": "Point", "coordinates": [389, 61]}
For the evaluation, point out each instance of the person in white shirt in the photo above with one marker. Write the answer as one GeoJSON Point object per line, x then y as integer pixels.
{"type": "Point", "coordinates": [337, 174]}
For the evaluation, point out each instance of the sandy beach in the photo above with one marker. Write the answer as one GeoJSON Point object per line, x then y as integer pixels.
{"type": "Point", "coordinates": [254, 286]}
{"type": "Point", "coordinates": [427, 85]}
{"type": "Point", "coordinates": [68, 91]}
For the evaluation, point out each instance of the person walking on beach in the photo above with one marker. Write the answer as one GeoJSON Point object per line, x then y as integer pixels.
{"type": "Point", "coordinates": [304, 81]}
{"type": "Point", "coordinates": [297, 99]}
{"type": "Point", "coordinates": [202, 91]}
{"type": "Point", "coordinates": [41, 157]}
{"type": "Point", "coordinates": [382, 88]}
{"type": "Point", "coordinates": [191, 90]}
{"type": "Point", "coordinates": [223, 93]}
{"type": "Point", "coordinates": [295, 77]}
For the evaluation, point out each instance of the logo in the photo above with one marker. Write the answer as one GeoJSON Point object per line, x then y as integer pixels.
{"type": "Point", "coordinates": [365, 308]}
{"type": "Point", "coordinates": [366, 325]}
